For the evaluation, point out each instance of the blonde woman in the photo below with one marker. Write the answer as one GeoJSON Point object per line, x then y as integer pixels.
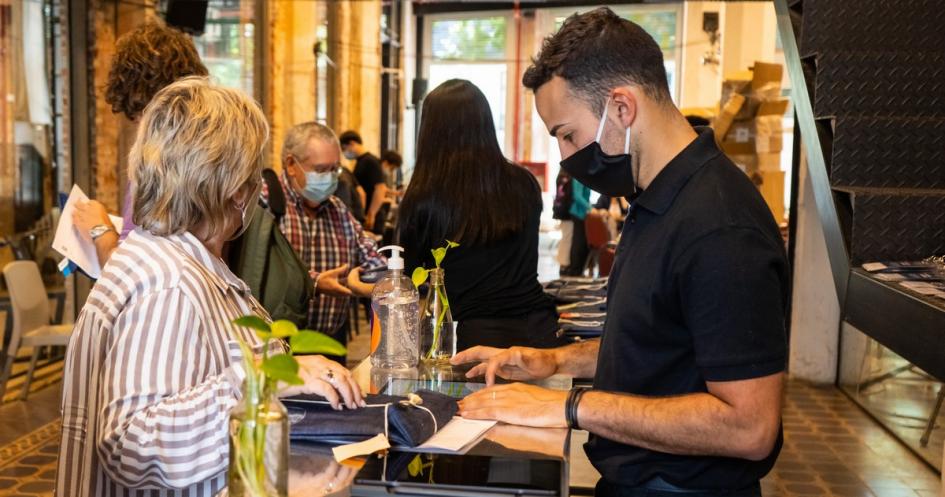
{"type": "Point", "coordinates": [152, 371]}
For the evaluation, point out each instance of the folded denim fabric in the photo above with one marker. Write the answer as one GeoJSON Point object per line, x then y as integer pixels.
{"type": "Point", "coordinates": [312, 419]}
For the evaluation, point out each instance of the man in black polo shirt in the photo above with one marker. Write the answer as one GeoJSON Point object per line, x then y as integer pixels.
{"type": "Point", "coordinates": [688, 374]}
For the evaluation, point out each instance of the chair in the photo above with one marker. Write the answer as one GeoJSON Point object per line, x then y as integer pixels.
{"type": "Point", "coordinates": [31, 327]}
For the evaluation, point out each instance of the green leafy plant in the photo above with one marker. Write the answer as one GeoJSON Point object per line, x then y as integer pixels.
{"type": "Point", "coordinates": [420, 276]}
{"type": "Point", "coordinates": [262, 380]}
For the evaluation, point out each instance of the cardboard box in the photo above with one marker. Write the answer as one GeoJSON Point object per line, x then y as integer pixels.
{"type": "Point", "coordinates": [772, 189]}
{"type": "Point", "coordinates": [750, 163]}
{"type": "Point", "coordinates": [766, 77]}
{"type": "Point", "coordinates": [727, 115]}
{"type": "Point", "coordinates": [762, 134]}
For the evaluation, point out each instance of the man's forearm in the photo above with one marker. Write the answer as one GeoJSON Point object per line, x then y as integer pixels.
{"type": "Point", "coordinates": [578, 360]}
{"type": "Point", "coordinates": [692, 424]}
{"type": "Point", "coordinates": [377, 200]}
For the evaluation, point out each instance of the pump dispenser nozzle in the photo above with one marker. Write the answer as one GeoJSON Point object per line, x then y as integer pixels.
{"type": "Point", "coordinates": [395, 261]}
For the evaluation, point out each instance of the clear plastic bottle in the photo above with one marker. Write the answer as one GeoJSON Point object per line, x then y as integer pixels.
{"type": "Point", "coordinates": [395, 334]}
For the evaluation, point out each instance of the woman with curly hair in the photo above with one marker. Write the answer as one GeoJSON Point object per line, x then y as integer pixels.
{"type": "Point", "coordinates": [146, 60]}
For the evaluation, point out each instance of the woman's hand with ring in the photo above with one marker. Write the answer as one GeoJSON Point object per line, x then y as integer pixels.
{"type": "Point", "coordinates": [328, 379]}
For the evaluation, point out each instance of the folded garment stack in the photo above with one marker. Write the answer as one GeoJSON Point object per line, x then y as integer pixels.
{"type": "Point", "coordinates": [582, 305]}
{"type": "Point", "coordinates": [407, 421]}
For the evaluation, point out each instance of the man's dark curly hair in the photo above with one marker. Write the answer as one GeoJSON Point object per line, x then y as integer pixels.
{"type": "Point", "coordinates": [146, 60]}
{"type": "Point", "coordinates": [596, 52]}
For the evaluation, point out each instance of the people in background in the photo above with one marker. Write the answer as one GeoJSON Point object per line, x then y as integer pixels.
{"type": "Point", "coordinates": [322, 230]}
{"type": "Point", "coordinates": [616, 209]}
{"type": "Point", "coordinates": [153, 367]}
{"type": "Point", "coordinates": [146, 60]}
{"type": "Point", "coordinates": [391, 161]}
{"type": "Point", "coordinates": [689, 372]}
{"type": "Point", "coordinates": [351, 194]}
{"type": "Point", "coordinates": [370, 176]}
{"type": "Point", "coordinates": [570, 207]}
{"type": "Point", "coordinates": [463, 189]}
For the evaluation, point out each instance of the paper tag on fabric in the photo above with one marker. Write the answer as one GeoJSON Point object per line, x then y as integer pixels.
{"type": "Point", "coordinates": [364, 448]}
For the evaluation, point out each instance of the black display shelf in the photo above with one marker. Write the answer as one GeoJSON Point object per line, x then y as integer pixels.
{"type": "Point", "coordinates": [908, 323]}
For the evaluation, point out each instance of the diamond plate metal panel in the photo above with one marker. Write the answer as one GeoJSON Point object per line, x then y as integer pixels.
{"type": "Point", "coordinates": [892, 25]}
{"type": "Point", "coordinates": [888, 152]}
{"type": "Point", "coordinates": [880, 83]}
{"type": "Point", "coordinates": [897, 227]}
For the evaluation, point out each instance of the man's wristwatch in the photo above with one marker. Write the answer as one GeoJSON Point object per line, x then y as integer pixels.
{"type": "Point", "coordinates": [100, 229]}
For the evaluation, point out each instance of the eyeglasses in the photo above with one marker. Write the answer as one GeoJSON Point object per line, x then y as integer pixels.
{"type": "Point", "coordinates": [318, 168]}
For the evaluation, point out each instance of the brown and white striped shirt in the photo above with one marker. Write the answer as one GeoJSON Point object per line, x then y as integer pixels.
{"type": "Point", "coordinates": [152, 372]}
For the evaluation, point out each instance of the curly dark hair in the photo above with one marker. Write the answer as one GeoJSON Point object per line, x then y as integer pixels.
{"type": "Point", "coordinates": [146, 60]}
{"type": "Point", "coordinates": [597, 51]}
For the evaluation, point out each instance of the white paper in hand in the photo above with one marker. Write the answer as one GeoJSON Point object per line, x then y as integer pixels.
{"type": "Point", "coordinates": [71, 243]}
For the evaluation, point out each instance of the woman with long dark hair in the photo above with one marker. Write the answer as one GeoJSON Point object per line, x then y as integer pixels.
{"type": "Point", "coordinates": [463, 189]}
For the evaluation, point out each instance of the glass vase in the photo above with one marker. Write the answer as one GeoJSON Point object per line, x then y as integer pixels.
{"type": "Point", "coordinates": [438, 332]}
{"type": "Point", "coordinates": [259, 446]}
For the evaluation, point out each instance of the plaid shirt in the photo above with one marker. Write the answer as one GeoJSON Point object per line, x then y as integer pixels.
{"type": "Point", "coordinates": [326, 238]}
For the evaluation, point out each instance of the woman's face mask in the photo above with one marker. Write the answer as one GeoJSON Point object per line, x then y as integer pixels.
{"type": "Point", "coordinates": [611, 175]}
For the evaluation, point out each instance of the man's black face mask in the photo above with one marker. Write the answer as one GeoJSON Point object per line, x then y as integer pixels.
{"type": "Point", "coordinates": [611, 175]}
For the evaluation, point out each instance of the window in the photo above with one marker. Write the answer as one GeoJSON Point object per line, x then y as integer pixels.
{"type": "Point", "coordinates": [227, 45]}
{"type": "Point", "coordinates": [475, 49]}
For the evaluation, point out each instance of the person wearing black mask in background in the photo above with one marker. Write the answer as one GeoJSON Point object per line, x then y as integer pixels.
{"type": "Point", "coordinates": [370, 175]}
{"type": "Point", "coordinates": [689, 372]}
{"type": "Point", "coordinates": [464, 190]}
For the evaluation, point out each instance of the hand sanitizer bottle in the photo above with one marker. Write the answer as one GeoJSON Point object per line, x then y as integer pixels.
{"type": "Point", "coordinates": [395, 333]}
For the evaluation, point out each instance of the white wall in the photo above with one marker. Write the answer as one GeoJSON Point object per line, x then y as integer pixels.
{"type": "Point", "coordinates": [748, 33]}
{"type": "Point", "coordinates": [701, 84]}
{"type": "Point", "coordinates": [815, 311]}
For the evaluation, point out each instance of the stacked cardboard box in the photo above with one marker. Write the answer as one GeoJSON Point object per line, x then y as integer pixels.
{"type": "Point", "coordinates": [749, 128]}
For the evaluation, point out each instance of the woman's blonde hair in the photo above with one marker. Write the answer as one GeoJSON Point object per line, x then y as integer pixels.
{"type": "Point", "coordinates": [197, 145]}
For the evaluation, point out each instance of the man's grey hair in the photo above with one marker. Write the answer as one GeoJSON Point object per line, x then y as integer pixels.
{"type": "Point", "coordinates": [300, 134]}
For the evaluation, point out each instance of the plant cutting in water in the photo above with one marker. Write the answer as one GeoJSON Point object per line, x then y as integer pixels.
{"type": "Point", "coordinates": [420, 276]}
{"type": "Point", "coordinates": [262, 378]}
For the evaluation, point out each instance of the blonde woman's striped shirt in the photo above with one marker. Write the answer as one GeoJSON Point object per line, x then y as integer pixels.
{"type": "Point", "coordinates": [152, 372]}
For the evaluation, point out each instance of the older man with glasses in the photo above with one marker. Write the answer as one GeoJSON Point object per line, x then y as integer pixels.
{"type": "Point", "coordinates": [321, 229]}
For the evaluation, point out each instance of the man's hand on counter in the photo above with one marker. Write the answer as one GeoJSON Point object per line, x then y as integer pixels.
{"type": "Point", "coordinates": [519, 404]}
{"type": "Point", "coordinates": [577, 360]}
{"type": "Point", "coordinates": [516, 363]}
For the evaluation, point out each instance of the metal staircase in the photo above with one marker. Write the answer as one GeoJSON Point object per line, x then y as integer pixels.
{"type": "Point", "coordinates": [868, 81]}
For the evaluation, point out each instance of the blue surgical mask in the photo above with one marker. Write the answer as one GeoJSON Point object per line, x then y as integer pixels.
{"type": "Point", "coordinates": [350, 154]}
{"type": "Point", "coordinates": [319, 186]}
